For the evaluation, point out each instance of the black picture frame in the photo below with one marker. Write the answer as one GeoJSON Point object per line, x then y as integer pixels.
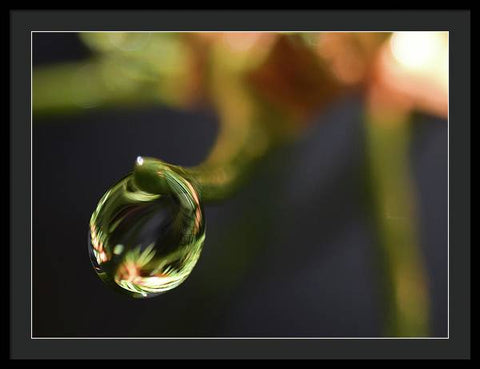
{"type": "Point", "coordinates": [23, 22]}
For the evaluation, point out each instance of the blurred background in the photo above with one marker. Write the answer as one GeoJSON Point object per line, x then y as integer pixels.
{"type": "Point", "coordinates": [340, 229]}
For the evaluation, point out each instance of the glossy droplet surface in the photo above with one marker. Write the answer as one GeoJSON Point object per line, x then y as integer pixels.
{"type": "Point", "coordinates": [143, 243]}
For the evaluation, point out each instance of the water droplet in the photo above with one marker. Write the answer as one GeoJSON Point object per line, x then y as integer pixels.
{"type": "Point", "coordinates": [144, 243]}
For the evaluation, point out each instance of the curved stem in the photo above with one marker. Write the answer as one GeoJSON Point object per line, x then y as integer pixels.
{"type": "Point", "coordinates": [242, 139]}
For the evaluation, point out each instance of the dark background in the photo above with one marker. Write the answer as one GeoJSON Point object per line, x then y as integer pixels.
{"type": "Point", "coordinates": [284, 257]}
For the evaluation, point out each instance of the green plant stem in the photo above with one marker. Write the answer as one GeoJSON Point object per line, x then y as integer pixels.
{"type": "Point", "coordinates": [403, 272]}
{"type": "Point", "coordinates": [75, 87]}
{"type": "Point", "coordinates": [243, 137]}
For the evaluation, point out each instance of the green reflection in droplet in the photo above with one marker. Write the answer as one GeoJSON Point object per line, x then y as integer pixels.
{"type": "Point", "coordinates": [145, 243]}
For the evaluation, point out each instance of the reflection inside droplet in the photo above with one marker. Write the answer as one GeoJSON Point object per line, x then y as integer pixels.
{"type": "Point", "coordinates": [143, 243]}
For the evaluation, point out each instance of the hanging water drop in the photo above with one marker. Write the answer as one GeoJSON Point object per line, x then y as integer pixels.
{"type": "Point", "coordinates": [147, 231]}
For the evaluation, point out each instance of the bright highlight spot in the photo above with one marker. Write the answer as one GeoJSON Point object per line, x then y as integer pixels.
{"type": "Point", "coordinates": [417, 50]}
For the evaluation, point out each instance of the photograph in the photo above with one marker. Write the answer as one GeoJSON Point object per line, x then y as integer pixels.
{"type": "Point", "coordinates": [240, 184]}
